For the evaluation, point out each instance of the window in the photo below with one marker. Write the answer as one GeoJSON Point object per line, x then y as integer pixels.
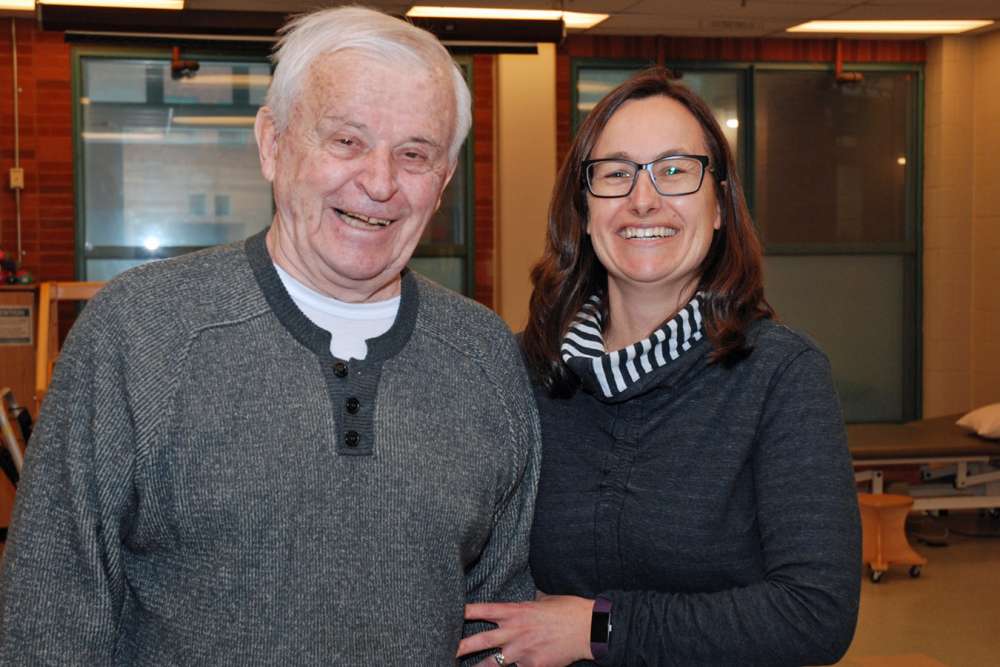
{"type": "Point", "coordinates": [831, 173]}
{"type": "Point", "coordinates": [445, 253]}
{"type": "Point", "coordinates": [835, 188]}
{"type": "Point", "coordinates": [158, 154]}
{"type": "Point", "coordinates": [167, 165]}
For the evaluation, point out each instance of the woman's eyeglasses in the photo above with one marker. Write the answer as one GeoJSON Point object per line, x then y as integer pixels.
{"type": "Point", "coordinates": [672, 176]}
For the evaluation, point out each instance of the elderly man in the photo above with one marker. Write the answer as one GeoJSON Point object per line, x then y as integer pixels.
{"type": "Point", "coordinates": [290, 450]}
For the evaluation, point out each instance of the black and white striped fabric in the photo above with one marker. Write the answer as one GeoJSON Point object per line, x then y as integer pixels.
{"type": "Point", "coordinates": [615, 372]}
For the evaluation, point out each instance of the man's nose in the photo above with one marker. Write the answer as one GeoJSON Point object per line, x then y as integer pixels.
{"type": "Point", "coordinates": [644, 199]}
{"type": "Point", "coordinates": [378, 175]}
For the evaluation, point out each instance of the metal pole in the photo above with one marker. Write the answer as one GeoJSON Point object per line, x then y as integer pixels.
{"type": "Point", "coordinates": [17, 137]}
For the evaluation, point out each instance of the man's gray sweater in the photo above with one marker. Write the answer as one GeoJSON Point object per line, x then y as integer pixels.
{"type": "Point", "coordinates": [208, 485]}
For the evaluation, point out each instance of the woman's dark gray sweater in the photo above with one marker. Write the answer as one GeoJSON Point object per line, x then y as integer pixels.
{"type": "Point", "coordinates": [715, 506]}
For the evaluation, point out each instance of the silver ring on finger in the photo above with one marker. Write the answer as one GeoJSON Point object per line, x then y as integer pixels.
{"type": "Point", "coordinates": [499, 658]}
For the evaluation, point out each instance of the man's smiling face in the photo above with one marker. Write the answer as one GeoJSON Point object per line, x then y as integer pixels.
{"type": "Point", "coordinates": [358, 172]}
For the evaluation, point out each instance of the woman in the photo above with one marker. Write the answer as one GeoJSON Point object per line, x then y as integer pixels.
{"type": "Point", "coordinates": [696, 504]}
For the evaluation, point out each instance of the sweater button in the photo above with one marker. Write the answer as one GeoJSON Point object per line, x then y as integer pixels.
{"type": "Point", "coordinates": [353, 405]}
{"type": "Point", "coordinates": [352, 438]}
{"type": "Point", "coordinates": [340, 369]}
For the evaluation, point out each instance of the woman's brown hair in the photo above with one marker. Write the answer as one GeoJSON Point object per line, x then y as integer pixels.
{"type": "Point", "coordinates": [569, 272]}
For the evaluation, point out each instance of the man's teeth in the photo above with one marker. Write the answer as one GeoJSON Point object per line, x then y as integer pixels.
{"type": "Point", "coordinates": [647, 232]}
{"type": "Point", "coordinates": [375, 222]}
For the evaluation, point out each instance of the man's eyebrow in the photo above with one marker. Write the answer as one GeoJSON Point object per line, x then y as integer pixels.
{"type": "Point", "coordinates": [424, 141]}
{"type": "Point", "coordinates": [333, 118]}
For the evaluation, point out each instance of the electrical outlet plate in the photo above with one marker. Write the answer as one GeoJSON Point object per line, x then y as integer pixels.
{"type": "Point", "coordinates": [16, 178]}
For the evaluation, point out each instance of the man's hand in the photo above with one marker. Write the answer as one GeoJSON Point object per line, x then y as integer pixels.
{"type": "Point", "coordinates": [552, 631]}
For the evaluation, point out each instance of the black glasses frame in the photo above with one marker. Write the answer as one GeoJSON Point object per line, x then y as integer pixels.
{"type": "Point", "coordinates": [648, 168]}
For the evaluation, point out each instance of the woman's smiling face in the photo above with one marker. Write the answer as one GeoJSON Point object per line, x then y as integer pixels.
{"type": "Point", "coordinates": [648, 241]}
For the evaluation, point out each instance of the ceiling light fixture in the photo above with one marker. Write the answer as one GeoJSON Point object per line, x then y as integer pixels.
{"type": "Point", "coordinates": [124, 4]}
{"type": "Point", "coordinates": [572, 20]}
{"type": "Point", "coordinates": [17, 5]}
{"type": "Point", "coordinates": [214, 121]}
{"type": "Point", "coordinates": [935, 27]}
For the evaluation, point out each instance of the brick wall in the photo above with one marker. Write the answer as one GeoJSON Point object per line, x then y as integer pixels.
{"type": "Point", "coordinates": [46, 149]}
{"type": "Point", "coordinates": [483, 77]}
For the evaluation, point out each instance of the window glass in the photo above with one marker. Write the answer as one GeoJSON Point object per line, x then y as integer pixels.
{"type": "Point", "coordinates": [722, 90]}
{"type": "Point", "coordinates": [445, 251]}
{"type": "Point", "coordinates": [833, 160]}
{"type": "Point", "coordinates": [852, 306]}
{"type": "Point", "coordinates": [172, 168]}
{"type": "Point", "coordinates": [834, 168]}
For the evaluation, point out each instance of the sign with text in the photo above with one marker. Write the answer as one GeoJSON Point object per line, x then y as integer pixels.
{"type": "Point", "coordinates": [15, 325]}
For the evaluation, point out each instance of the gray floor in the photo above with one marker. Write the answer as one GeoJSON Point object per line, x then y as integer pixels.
{"type": "Point", "coordinates": [950, 615]}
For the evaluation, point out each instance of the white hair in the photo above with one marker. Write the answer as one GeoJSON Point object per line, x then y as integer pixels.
{"type": "Point", "coordinates": [372, 33]}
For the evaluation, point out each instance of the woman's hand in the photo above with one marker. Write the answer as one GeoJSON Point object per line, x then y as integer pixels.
{"type": "Point", "coordinates": [552, 631]}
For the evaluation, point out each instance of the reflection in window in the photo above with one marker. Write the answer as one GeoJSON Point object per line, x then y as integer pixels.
{"type": "Point", "coordinates": [832, 158]}
{"type": "Point", "coordinates": [722, 90]}
{"type": "Point", "coordinates": [834, 170]}
{"type": "Point", "coordinates": [168, 164]}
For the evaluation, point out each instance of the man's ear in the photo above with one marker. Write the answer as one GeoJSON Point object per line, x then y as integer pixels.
{"type": "Point", "coordinates": [444, 186]}
{"type": "Point", "coordinates": [267, 142]}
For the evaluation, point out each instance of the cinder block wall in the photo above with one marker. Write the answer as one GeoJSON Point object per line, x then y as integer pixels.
{"type": "Point", "coordinates": [961, 225]}
{"type": "Point", "coordinates": [985, 347]}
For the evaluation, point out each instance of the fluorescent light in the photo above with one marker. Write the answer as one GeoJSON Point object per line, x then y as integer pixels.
{"type": "Point", "coordinates": [594, 87]}
{"type": "Point", "coordinates": [123, 137]}
{"type": "Point", "coordinates": [213, 121]}
{"type": "Point", "coordinates": [17, 5]}
{"type": "Point", "coordinates": [733, 123]}
{"type": "Point", "coordinates": [573, 20]}
{"type": "Point", "coordinates": [248, 80]}
{"type": "Point", "coordinates": [935, 27]}
{"type": "Point", "coordinates": [128, 4]}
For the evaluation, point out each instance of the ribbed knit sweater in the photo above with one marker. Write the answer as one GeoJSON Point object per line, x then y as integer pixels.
{"type": "Point", "coordinates": [715, 505]}
{"type": "Point", "coordinates": [207, 485]}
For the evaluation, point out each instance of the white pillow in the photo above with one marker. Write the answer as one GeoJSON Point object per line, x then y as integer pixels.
{"type": "Point", "coordinates": [984, 421]}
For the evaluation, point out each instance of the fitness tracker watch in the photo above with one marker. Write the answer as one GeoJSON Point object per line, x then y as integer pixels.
{"type": "Point", "coordinates": [600, 627]}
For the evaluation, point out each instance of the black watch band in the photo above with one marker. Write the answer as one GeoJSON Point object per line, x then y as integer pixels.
{"type": "Point", "coordinates": [600, 627]}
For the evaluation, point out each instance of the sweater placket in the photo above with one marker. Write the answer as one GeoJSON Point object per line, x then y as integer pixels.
{"type": "Point", "coordinates": [613, 493]}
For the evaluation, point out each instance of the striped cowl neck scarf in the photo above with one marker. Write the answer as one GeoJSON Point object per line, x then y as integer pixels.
{"type": "Point", "coordinates": [616, 372]}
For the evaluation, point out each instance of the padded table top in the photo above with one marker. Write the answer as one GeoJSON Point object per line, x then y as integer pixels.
{"type": "Point", "coordinates": [926, 438]}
